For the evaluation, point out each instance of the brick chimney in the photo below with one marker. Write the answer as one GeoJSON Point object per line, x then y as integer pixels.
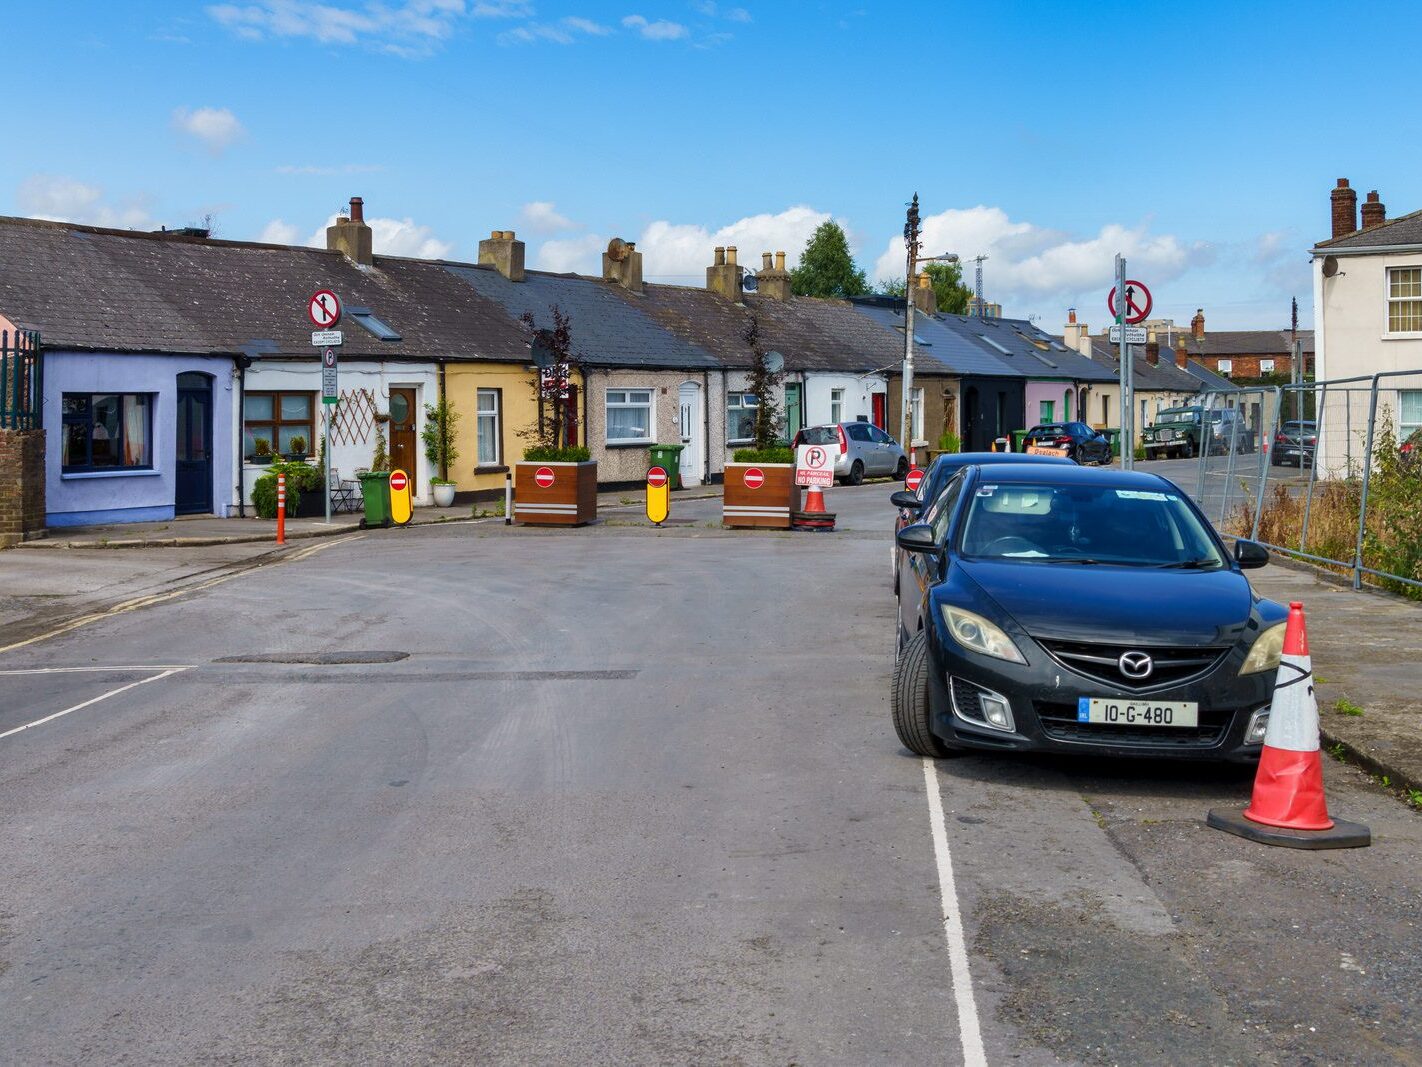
{"type": "Point", "coordinates": [1345, 209]}
{"type": "Point", "coordinates": [924, 298]}
{"type": "Point", "coordinates": [773, 282]}
{"type": "Point", "coordinates": [351, 236]}
{"type": "Point", "coordinates": [1197, 324]}
{"type": "Point", "coordinates": [1182, 354]}
{"type": "Point", "coordinates": [1374, 213]}
{"type": "Point", "coordinates": [622, 265]}
{"type": "Point", "coordinates": [1153, 351]}
{"type": "Point", "coordinates": [723, 277]}
{"type": "Point", "coordinates": [503, 253]}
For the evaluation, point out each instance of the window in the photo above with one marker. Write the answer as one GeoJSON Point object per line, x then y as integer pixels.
{"type": "Point", "coordinates": [629, 416]}
{"type": "Point", "coordinates": [1266, 366]}
{"type": "Point", "coordinates": [836, 405]}
{"type": "Point", "coordinates": [916, 415]}
{"type": "Point", "coordinates": [1404, 300]}
{"type": "Point", "coordinates": [107, 431]}
{"type": "Point", "coordinates": [740, 416]}
{"type": "Point", "coordinates": [878, 436]}
{"type": "Point", "coordinates": [276, 418]}
{"type": "Point", "coordinates": [1409, 403]}
{"type": "Point", "coordinates": [1226, 366]}
{"type": "Point", "coordinates": [859, 431]}
{"type": "Point", "coordinates": [487, 417]}
{"type": "Point", "coordinates": [1047, 410]}
{"type": "Point", "coordinates": [372, 325]}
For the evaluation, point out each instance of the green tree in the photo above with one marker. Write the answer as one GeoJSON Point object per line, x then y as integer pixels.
{"type": "Point", "coordinates": [826, 267]}
{"type": "Point", "coordinates": [948, 287]}
{"type": "Point", "coordinates": [764, 382]}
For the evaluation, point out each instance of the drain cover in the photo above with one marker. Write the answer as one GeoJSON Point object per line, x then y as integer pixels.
{"type": "Point", "coordinates": [321, 659]}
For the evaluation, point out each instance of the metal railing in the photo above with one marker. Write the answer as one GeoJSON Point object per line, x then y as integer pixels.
{"type": "Point", "coordinates": [21, 380]}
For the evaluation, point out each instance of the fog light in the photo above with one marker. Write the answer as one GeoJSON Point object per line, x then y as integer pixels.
{"type": "Point", "coordinates": [997, 711]}
{"type": "Point", "coordinates": [1258, 727]}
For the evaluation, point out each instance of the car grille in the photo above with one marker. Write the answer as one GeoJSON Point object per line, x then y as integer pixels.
{"type": "Point", "coordinates": [1165, 435]}
{"type": "Point", "coordinates": [1100, 662]}
{"type": "Point", "coordinates": [1059, 722]}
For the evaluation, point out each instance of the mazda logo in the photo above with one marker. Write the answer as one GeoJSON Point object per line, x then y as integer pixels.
{"type": "Point", "coordinates": [1135, 665]}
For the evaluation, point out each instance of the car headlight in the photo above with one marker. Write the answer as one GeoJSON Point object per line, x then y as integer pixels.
{"type": "Point", "coordinates": [975, 632]}
{"type": "Point", "coordinates": [1264, 656]}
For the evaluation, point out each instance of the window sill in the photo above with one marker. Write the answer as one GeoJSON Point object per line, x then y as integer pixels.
{"type": "Point", "coordinates": [134, 472]}
{"type": "Point", "coordinates": [1402, 337]}
{"type": "Point", "coordinates": [630, 444]}
{"type": "Point", "coordinates": [496, 468]}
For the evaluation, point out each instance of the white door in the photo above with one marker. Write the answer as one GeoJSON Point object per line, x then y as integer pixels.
{"type": "Point", "coordinates": [692, 461]}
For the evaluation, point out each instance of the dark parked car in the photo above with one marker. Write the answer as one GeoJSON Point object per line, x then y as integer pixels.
{"type": "Point", "coordinates": [1055, 609]}
{"type": "Point", "coordinates": [910, 504]}
{"type": "Point", "coordinates": [1076, 440]}
{"type": "Point", "coordinates": [1294, 442]}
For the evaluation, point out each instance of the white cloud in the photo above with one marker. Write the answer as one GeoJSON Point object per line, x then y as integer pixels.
{"type": "Point", "coordinates": [215, 127]}
{"type": "Point", "coordinates": [409, 29]}
{"type": "Point", "coordinates": [738, 14]}
{"type": "Point", "coordinates": [47, 196]}
{"type": "Point", "coordinates": [1034, 268]}
{"type": "Point", "coordinates": [660, 30]}
{"type": "Point", "coordinates": [588, 26]}
{"type": "Point", "coordinates": [395, 237]}
{"type": "Point", "coordinates": [541, 216]}
{"type": "Point", "coordinates": [330, 171]}
{"type": "Point", "coordinates": [278, 232]}
{"type": "Point", "coordinates": [564, 31]}
{"type": "Point", "coordinates": [681, 252]}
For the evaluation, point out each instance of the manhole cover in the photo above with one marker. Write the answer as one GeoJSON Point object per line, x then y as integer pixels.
{"type": "Point", "coordinates": [323, 659]}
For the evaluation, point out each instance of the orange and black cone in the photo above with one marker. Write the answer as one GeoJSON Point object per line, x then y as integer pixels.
{"type": "Point", "coordinates": [814, 501]}
{"type": "Point", "coordinates": [1288, 806]}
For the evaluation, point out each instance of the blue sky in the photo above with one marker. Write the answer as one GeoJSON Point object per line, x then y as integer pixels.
{"type": "Point", "coordinates": [689, 124]}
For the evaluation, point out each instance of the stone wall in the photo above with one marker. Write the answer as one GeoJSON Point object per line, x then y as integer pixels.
{"type": "Point", "coordinates": [21, 485]}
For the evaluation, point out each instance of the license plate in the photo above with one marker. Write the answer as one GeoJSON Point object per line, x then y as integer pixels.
{"type": "Point", "coordinates": [1113, 712]}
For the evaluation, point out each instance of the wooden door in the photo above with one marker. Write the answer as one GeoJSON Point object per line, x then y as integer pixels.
{"type": "Point", "coordinates": [402, 433]}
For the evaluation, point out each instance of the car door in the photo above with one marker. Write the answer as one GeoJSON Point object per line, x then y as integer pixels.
{"type": "Point", "coordinates": [883, 444]}
{"type": "Point", "coordinates": [861, 445]}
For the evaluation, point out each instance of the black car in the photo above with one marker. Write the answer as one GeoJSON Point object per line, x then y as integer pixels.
{"type": "Point", "coordinates": [1294, 442]}
{"type": "Point", "coordinates": [1074, 440]}
{"type": "Point", "coordinates": [1055, 609]}
{"type": "Point", "coordinates": [910, 504]}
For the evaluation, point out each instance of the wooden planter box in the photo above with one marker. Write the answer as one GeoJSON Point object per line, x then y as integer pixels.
{"type": "Point", "coordinates": [570, 499]}
{"type": "Point", "coordinates": [766, 505]}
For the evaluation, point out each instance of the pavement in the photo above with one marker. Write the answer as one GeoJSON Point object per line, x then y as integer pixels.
{"type": "Point", "coordinates": [452, 794]}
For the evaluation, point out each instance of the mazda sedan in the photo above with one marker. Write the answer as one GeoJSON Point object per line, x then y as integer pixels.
{"type": "Point", "coordinates": [1056, 609]}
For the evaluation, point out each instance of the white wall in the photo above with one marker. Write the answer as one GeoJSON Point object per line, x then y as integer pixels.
{"type": "Point", "coordinates": [857, 390]}
{"type": "Point", "coordinates": [277, 375]}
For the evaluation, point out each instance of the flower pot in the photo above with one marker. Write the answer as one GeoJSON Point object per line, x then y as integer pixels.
{"type": "Point", "coordinates": [443, 493]}
{"type": "Point", "coordinates": [296, 457]}
{"type": "Point", "coordinates": [555, 494]}
{"type": "Point", "coordinates": [260, 461]}
{"type": "Point", "coordinates": [759, 495]}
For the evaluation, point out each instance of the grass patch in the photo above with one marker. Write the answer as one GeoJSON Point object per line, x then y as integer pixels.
{"type": "Point", "coordinates": [1344, 706]}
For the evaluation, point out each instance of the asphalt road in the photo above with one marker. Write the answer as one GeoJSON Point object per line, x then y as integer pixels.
{"type": "Point", "coordinates": [477, 794]}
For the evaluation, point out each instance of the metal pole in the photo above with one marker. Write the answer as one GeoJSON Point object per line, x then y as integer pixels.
{"type": "Point", "coordinates": [1320, 403]}
{"type": "Point", "coordinates": [1367, 478]}
{"type": "Point", "coordinates": [508, 499]}
{"type": "Point", "coordinates": [1128, 446]}
{"type": "Point", "coordinates": [281, 509]}
{"type": "Point", "coordinates": [326, 450]}
{"type": "Point", "coordinates": [911, 241]}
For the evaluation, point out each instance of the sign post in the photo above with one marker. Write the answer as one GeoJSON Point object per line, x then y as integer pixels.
{"type": "Point", "coordinates": [329, 396]}
{"type": "Point", "coordinates": [324, 310]}
{"type": "Point", "coordinates": [1129, 303]}
{"type": "Point", "coordinates": [658, 495]}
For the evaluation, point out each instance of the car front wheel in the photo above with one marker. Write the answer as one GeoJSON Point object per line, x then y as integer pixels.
{"type": "Point", "coordinates": [912, 710]}
{"type": "Point", "coordinates": [901, 471]}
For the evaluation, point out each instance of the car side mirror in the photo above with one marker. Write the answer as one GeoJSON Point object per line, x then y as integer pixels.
{"type": "Point", "coordinates": [1250, 555]}
{"type": "Point", "coordinates": [917, 538]}
{"type": "Point", "coordinates": [906, 500]}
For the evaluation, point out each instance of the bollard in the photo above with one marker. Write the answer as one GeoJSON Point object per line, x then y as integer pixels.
{"type": "Point", "coordinates": [281, 509]}
{"type": "Point", "coordinates": [508, 499]}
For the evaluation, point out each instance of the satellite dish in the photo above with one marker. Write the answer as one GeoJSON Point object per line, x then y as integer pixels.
{"type": "Point", "coordinates": [617, 250]}
{"type": "Point", "coordinates": [748, 282]}
{"type": "Point", "coordinates": [1330, 266]}
{"type": "Point", "coordinates": [774, 362]}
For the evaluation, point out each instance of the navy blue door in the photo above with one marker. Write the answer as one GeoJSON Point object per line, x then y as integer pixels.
{"type": "Point", "coordinates": [193, 493]}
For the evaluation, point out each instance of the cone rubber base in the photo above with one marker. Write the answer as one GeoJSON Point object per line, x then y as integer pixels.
{"type": "Point", "coordinates": [822, 521]}
{"type": "Point", "coordinates": [1343, 835]}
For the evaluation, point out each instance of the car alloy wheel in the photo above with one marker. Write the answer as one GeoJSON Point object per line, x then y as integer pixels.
{"type": "Point", "coordinates": [856, 473]}
{"type": "Point", "coordinates": [912, 708]}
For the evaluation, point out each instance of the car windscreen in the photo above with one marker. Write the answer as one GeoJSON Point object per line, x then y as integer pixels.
{"type": "Point", "coordinates": [1178, 415]}
{"type": "Point", "coordinates": [1139, 527]}
{"type": "Point", "coordinates": [819, 435]}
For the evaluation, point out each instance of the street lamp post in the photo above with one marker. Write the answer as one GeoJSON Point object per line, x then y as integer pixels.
{"type": "Point", "coordinates": [913, 244]}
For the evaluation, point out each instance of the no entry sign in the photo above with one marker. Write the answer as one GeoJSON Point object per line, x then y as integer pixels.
{"type": "Point", "coordinates": [543, 477]}
{"type": "Point", "coordinates": [656, 477]}
{"type": "Point", "coordinates": [399, 481]}
{"type": "Point", "coordinates": [324, 309]}
{"type": "Point", "coordinates": [913, 479]}
{"type": "Point", "coordinates": [754, 478]}
{"type": "Point", "coordinates": [1138, 302]}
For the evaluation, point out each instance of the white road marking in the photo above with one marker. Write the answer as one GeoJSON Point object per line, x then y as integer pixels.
{"type": "Point", "coordinates": [99, 670]}
{"type": "Point", "coordinates": [969, 1029]}
{"type": "Point", "coordinates": [92, 701]}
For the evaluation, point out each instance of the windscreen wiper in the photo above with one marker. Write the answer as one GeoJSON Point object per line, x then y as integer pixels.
{"type": "Point", "coordinates": [1189, 565]}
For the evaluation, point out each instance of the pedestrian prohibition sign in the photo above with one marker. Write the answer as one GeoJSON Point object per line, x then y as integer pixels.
{"type": "Point", "coordinates": [324, 309]}
{"type": "Point", "coordinates": [543, 477]}
{"type": "Point", "coordinates": [1138, 302]}
{"type": "Point", "coordinates": [913, 479]}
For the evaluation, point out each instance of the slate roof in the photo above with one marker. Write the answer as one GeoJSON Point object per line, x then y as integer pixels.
{"type": "Point", "coordinates": [606, 330]}
{"type": "Point", "coordinates": [92, 289]}
{"type": "Point", "coordinates": [1403, 230]}
{"type": "Point", "coordinates": [1017, 336]}
{"type": "Point", "coordinates": [1164, 377]}
{"type": "Point", "coordinates": [933, 341]}
{"type": "Point", "coordinates": [1226, 343]}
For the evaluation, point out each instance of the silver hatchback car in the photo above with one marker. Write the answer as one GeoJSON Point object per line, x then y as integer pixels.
{"type": "Point", "coordinates": [864, 450]}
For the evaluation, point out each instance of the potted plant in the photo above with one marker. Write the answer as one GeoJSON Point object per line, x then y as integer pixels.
{"type": "Point", "coordinates": [556, 484]}
{"type": "Point", "coordinates": [948, 443]}
{"type": "Point", "coordinates": [298, 449]}
{"type": "Point", "coordinates": [261, 452]}
{"type": "Point", "coordinates": [760, 489]}
{"type": "Point", "coordinates": [440, 450]}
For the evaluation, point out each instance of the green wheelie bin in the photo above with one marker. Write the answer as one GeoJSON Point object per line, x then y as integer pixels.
{"type": "Point", "coordinates": [375, 492]}
{"type": "Point", "coordinates": [668, 457]}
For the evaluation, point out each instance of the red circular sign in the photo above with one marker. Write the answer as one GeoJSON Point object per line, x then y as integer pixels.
{"type": "Point", "coordinates": [399, 481]}
{"type": "Point", "coordinates": [543, 477]}
{"type": "Point", "coordinates": [913, 479]}
{"type": "Point", "coordinates": [656, 477]}
{"type": "Point", "coordinates": [324, 309]}
{"type": "Point", "coordinates": [755, 477]}
{"type": "Point", "coordinates": [1138, 302]}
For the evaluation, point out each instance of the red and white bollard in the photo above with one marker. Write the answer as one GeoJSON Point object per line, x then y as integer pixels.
{"type": "Point", "coordinates": [281, 509]}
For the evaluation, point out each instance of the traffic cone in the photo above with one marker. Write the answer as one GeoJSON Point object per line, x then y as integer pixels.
{"type": "Point", "coordinates": [814, 501]}
{"type": "Point", "coordinates": [813, 516]}
{"type": "Point", "coordinates": [1288, 806]}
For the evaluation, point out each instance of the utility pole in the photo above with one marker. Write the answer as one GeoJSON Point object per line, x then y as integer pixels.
{"type": "Point", "coordinates": [1296, 370]}
{"type": "Point", "coordinates": [1128, 436]}
{"type": "Point", "coordinates": [911, 240]}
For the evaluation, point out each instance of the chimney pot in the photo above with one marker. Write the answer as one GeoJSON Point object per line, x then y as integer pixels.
{"type": "Point", "coordinates": [1374, 213]}
{"type": "Point", "coordinates": [495, 234]}
{"type": "Point", "coordinates": [765, 261]}
{"type": "Point", "coordinates": [1182, 356]}
{"type": "Point", "coordinates": [779, 260]}
{"type": "Point", "coordinates": [731, 255]}
{"type": "Point", "coordinates": [1344, 202]}
{"type": "Point", "coordinates": [1197, 324]}
{"type": "Point", "coordinates": [357, 209]}
{"type": "Point", "coordinates": [1071, 316]}
{"type": "Point", "coordinates": [720, 256]}
{"type": "Point", "coordinates": [352, 236]}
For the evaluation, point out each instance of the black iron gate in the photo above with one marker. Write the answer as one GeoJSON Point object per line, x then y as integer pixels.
{"type": "Point", "coordinates": [21, 380]}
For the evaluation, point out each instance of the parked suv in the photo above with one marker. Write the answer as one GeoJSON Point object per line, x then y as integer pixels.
{"type": "Point", "coordinates": [1188, 431]}
{"type": "Point", "coordinates": [864, 450]}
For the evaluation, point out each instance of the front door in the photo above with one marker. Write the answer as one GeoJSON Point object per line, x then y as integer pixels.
{"type": "Point", "coordinates": [690, 424]}
{"type": "Point", "coordinates": [192, 494]}
{"type": "Point", "coordinates": [881, 410]}
{"type": "Point", "coordinates": [402, 433]}
{"type": "Point", "coordinates": [794, 410]}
